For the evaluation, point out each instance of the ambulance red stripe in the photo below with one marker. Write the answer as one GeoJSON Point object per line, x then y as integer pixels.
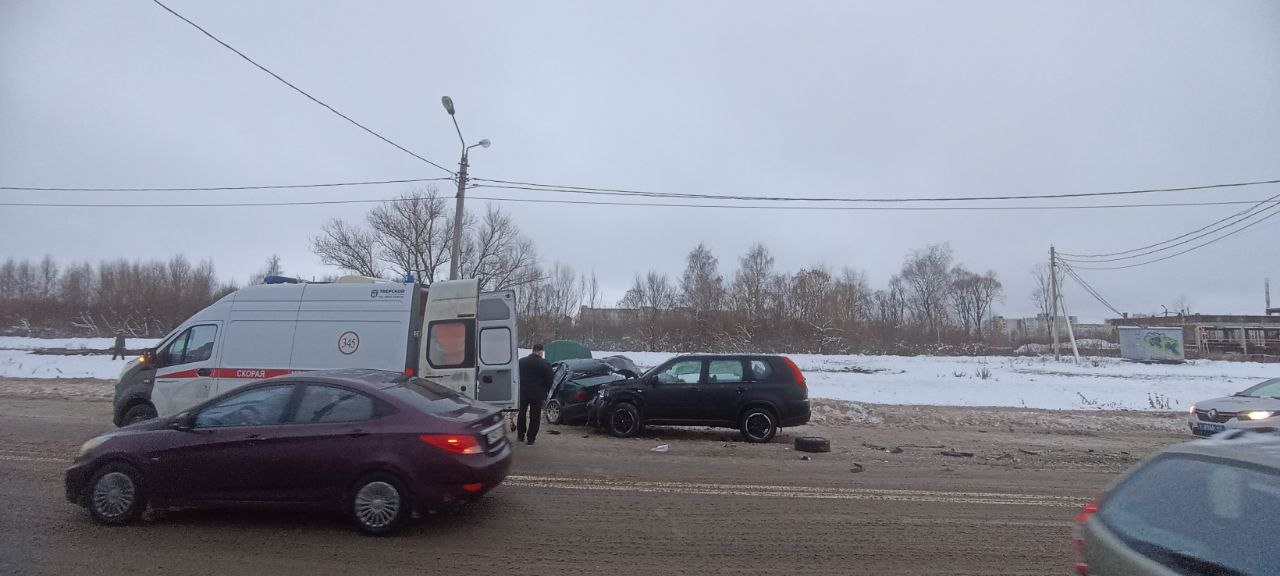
{"type": "Point", "coordinates": [244, 373]}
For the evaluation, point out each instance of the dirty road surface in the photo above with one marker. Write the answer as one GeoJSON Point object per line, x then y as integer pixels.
{"type": "Point", "coordinates": [884, 501]}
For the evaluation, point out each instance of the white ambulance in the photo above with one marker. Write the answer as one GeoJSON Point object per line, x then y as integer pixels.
{"type": "Point", "coordinates": [447, 332]}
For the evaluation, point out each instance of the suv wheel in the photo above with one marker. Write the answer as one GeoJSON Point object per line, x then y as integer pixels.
{"type": "Point", "coordinates": [758, 424]}
{"type": "Point", "coordinates": [378, 504]}
{"type": "Point", "coordinates": [623, 420]}
{"type": "Point", "coordinates": [552, 412]}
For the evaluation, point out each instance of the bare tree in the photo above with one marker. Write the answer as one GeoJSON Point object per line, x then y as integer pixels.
{"type": "Point", "coordinates": [414, 234]}
{"type": "Point", "coordinates": [653, 295]}
{"type": "Point", "coordinates": [347, 247]}
{"type": "Point", "coordinates": [48, 276]}
{"type": "Point", "coordinates": [497, 254]}
{"type": "Point", "coordinates": [702, 291]}
{"type": "Point", "coordinates": [1042, 295]}
{"type": "Point", "coordinates": [925, 275]}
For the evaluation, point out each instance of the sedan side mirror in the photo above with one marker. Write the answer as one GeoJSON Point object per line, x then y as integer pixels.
{"type": "Point", "coordinates": [185, 422]}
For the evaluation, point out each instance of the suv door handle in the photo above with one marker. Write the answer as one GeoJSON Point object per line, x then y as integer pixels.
{"type": "Point", "coordinates": [253, 437]}
{"type": "Point", "coordinates": [357, 433]}
{"type": "Point", "coordinates": [742, 389]}
{"type": "Point", "coordinates": [204, 372]}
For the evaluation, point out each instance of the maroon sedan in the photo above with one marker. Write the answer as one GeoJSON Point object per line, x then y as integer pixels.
{"type": "Point", "coordinates": [376, 445]}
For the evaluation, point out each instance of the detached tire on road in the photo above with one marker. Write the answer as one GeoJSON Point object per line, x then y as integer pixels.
{"type": "Point", "coordinates": [813, 444]}
{"type": "Point", "coordinates": [552, 412]}
{"type": "Point", "coordinates": [623, 420]}
{"type": "Point", "coordinates": [378, 504]}
{"type": "Point", "coordinates": [114, 495]}
{"type": "Point", "coordinates": [138, 413]}
{"type": "Point", "coordinates": [758, 424]}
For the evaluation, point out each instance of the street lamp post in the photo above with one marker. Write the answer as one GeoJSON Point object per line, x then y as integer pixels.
{"type": "Point", "coordinates": [455, 257]}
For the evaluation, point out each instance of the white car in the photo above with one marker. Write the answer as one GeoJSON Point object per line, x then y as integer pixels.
{"type": "Point", "coordinates": [1255, 408]}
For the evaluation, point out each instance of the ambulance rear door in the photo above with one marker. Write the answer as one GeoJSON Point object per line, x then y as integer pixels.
{"type": "Point", "coordinates": [497, 361]}
{"type": "Point", "coordinates": [448, 350]}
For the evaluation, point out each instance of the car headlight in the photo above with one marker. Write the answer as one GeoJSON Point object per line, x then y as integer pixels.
{"type": "Point", "coordinates": [1192, 410]}
{"type": "Point", "coordinates": [1257, 415]}
{"type": "Point", "coordinates": [92, 443]}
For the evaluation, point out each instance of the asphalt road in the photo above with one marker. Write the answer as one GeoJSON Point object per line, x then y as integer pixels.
{"type": "Point", "coordinates": [576, 504]}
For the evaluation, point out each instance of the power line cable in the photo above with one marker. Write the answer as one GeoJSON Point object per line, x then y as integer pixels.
{"type": "Point", "coordinates": [626, 204]}
{"type": "Point", "coordinates": [529, 186]}
{"type": "Point", "coordinates": [297, 89]}
{"type": "Point", "coordinates": [1090, 289]}
{"type": "Point", "coordinates": [221, 188]}
{"type": "Point", "coordinates": [1238, 220]}
{"type": "Point", "coordinates": [1272, 200]}
{"type": "Point", "coordinates": [1274, 213]}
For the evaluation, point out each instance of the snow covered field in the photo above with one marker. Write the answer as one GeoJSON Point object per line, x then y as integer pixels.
{"type": "Point", "coordinates": [1030, 382]}
{"type": "Point", "coordinates": [1094, 383]}
{"type": "Point", "coordinates": [23, 343]}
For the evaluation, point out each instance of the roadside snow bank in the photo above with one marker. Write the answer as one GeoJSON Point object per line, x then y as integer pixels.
{"type": "Point", "coordinates": [1021, 382]}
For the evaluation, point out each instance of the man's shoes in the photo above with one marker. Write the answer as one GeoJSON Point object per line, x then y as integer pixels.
{"type": "Point", "coordinates": [529, 443]}
{"type": "Point", "coordinates": [520, 438]}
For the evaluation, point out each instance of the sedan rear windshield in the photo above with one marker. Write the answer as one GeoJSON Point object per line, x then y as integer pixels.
{"type": "Point", "coordinates": [428, 396]}
{"type": "Point", "coordinates": [1194, 512]}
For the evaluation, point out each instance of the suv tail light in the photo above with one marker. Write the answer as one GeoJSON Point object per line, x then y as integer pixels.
{"type": "Point", "coordinates": [796, 374]}
{"type": "Point", "coordinates": [455, 443]}
{"type": "Point", "coordinates": [1077, 541]}
{"type": "Point", "coordinates": [581, 395]}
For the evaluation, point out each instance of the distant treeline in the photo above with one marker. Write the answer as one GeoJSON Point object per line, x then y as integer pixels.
{"type": "Point", "coordinates": [933, 304]}
{"type": "Point", "coordinates": [141, 298]}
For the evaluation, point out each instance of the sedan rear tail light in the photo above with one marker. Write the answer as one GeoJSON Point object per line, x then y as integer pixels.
{"type": "Point", "coordinates": [796, 374]}
{"type": "Point", "coordinates": [581, 395]}
{"type": "Point", "coordinates": [1077, 541]}
{"type": "Point", "coordinates": [455, 443]}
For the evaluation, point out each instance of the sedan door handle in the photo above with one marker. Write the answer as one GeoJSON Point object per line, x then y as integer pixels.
{"type": "Point", "coordinates": [357, 433]}
{"type": "Point", "coordinates": [741, 389]}
{"type": "Point", "coordinates": [253, 437]}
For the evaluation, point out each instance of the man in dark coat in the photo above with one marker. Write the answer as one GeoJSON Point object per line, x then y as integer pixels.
{"type": "Point", "coordinates": [535, 384]}
{"type": "Point", "coordinates": [118, 349]}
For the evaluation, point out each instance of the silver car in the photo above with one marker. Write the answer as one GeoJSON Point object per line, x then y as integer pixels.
{"type": "Point", "coordinates": [1204, 507]}
{"type": "Point", "coordinates": [1255, 408]}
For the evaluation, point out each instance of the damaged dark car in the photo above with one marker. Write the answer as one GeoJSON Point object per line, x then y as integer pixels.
{"type": "Point", "coordinates": [576, 381]}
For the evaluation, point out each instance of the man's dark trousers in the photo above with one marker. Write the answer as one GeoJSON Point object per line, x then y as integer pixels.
{"type": "Point", "coordinates": [533, 408]}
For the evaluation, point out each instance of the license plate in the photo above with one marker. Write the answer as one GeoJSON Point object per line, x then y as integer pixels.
{"type": "Point", "coordinates": [495, 435]}
{"type": "Point", "coordinates": [1213, 428]}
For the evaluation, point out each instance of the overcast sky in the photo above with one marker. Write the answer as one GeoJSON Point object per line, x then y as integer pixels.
{"type": "Point", "coordinates": [849, 99]}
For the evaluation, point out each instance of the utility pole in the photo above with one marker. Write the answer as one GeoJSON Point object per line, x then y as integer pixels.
{"type": "Point", "coordinates": [1053, 283]}
{"type": "Point", "coordinates": [455, 256]}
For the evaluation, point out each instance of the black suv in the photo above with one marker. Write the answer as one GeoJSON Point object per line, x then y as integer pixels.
{"type": "Point", "coordinates": [755, 394]}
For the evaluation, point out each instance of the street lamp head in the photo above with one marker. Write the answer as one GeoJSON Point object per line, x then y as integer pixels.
{"type": "Point", "coordinates": [484, 143]}
{"type": "Point", "coordinates": [448, 104]}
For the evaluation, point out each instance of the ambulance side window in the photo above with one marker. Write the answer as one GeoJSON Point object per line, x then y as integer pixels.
{"type": "Point", "coordinates": [195, 344]}
{"type": "Point", "coordinates": [200, 343]}
{"type": "Point", "coordinates": [451, 343]}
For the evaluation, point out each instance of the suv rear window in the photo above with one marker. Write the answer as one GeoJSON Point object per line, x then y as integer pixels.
{"type": "Point", "coordinates": [760, 370]}
{"type": "Point", "coordinates": [1184, 510]}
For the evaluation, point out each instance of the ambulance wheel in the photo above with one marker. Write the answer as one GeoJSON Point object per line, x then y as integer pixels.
{"type": "Point", "coordinates": [139, 413]}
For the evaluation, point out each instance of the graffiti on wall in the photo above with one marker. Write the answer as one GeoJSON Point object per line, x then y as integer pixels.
{"type": "Point", "coordinates": [1162, 343]}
